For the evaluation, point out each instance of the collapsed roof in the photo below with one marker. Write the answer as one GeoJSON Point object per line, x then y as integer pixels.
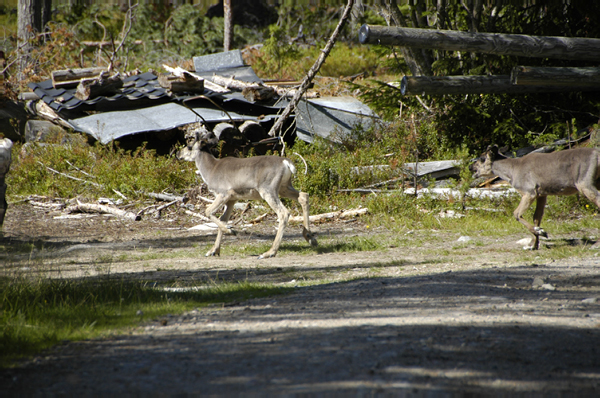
{"type": "Point", "coordinates": [143, 105]}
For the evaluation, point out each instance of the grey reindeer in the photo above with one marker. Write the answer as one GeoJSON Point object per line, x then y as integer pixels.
{"type": "Point", "coordinates": [232, 179]}
{"type": "Point", "coordinates": [538, 175]}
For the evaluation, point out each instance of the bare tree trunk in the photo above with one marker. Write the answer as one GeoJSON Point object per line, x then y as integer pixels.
{"type": "Point", "coordinates": [228, 25]}
{"type": "Point", "coordinates": [276, 129]}
{"type": "Point", "coordinates": [26, 30]}
{"type": "Point", "coordinates": [414, 58]}
{"type": "Point", "coordinates": [45, 14]}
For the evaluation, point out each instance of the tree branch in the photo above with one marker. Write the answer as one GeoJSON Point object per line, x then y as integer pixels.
{"type": "Point", "coordinates": [276, 129]}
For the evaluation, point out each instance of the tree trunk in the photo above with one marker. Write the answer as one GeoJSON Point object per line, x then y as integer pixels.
{"type": "Point", "coordinates": [416, 60]}
{"type": "Point", "coordinates": [228, 25]}
{"type": "Point", "coordinates": [26, 30]}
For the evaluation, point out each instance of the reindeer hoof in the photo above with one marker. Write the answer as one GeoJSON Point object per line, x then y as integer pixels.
{"type": "Point", "coordinates": [540, 232]}
{"type": "Point", "coordinates": [213, 253]}
{"type": "Point", "coordinates": [266, 255]}
{"type": "Point", "coordinates": [310, 238]}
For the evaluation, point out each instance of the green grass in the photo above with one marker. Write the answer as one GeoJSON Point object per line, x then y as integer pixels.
{"type": "Point", "coordinates": [36, 314]}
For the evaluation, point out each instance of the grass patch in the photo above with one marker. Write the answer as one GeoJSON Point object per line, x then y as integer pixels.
{"type": "Point", "coordinates": [36, 314]}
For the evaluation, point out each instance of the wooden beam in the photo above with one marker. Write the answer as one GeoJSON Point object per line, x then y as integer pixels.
{"type": "Point", "coordinates": [501, 84]}
{"type": "Point", "coordinates": [76, 74]}
{"type": "Point", "coordinates": [491, 43]}
{"type": "Point", "coordinates": [555, 76]}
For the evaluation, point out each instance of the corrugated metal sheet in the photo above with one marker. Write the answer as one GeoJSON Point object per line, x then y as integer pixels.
{"type": "Point", "coordinates": [338, 115]}
{"type": "Point", "coordinates": [109, 126]}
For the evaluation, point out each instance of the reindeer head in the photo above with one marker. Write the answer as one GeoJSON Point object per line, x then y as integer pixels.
{"type": "Point", "coordinates": [482, 166]}
{"type": "Point", "coordinates": [197, 139]}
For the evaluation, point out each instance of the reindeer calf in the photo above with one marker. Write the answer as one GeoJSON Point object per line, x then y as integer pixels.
{"type": "Point", "coordinates": [537, 175]}
{"type": "Point", "coordinates": [232, 179]}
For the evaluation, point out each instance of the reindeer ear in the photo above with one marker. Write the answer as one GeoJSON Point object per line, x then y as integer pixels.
{"type": "Point", "coordinates": [493, 151]}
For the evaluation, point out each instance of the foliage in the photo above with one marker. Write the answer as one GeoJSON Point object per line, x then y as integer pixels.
{"type": "Point", "coordinates": [508, 120]}
{"type": "Point", "coordinates": [36, 314]}
{"type": "Point", "coordinates": [103, 169]}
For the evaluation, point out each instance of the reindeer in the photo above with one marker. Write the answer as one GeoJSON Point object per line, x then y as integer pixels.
{"type": "Point", "coordinates": [232, 179]}
{"type": "Point", "coordinates": [537, 175]}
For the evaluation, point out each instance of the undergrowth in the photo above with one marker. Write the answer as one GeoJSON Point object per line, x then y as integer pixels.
{"type": "Point", "coordinates": [36, 314]}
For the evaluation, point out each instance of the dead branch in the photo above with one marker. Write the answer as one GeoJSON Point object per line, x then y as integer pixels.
{"type": "Point", "coordinates": [198, 215]}
{"type": "Point", "coordinates": [342, 214]}
{"type": "Point", "coordinates": [161, 208]}
{"type": "Point", "coordinates": [71, 177]}
{"type": "Point", "coordinates": [164, 196]}
{"type": "Point", "coordinates": [95, 208]}
{"type": "Point", "coordinates": [259, 219]}
{"type": "Point", "coordinates": [276, 129]}
{"type": "Point", "coordinates": [52, 206]}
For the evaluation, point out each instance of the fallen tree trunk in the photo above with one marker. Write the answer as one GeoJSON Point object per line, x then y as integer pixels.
{"type": "Point", "coordinates": [95, 208]}
{"type": "Point", "coordinates": [491, 43]}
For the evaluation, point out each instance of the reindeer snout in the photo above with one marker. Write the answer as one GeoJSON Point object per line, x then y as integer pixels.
{"type": "Point", "coordinates": [184, 153]}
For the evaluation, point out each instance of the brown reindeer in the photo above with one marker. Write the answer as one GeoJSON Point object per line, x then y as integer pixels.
{"type": "Point", "coordinates": [232, 179]}
{"type": "Point", "coordinates": [537, 175]}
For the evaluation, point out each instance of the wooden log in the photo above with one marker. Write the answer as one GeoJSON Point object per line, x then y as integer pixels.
{"type": "Point", "coordinates": [164, 196]}
{"type": "Point", "coordinates": [253, 131]}
{"type": "Point", "coordinates": [250, 91]}
{"type": "Point", "coordinates": [555, 76]}
{"type": "Point", "coordinates": [94, 208]}
{"type": "Point", "coordinates": [92, 88]}
{"type": "Point", "coordinates": [574, 48]}
{"type": "Point", "coordinates": [186, 83]}
{"type": "Point", "coordinates": [501, 84]}
{"type": "Point", "coordinates": [71, 77]}
{"type": "Point", "coordinates": [179, 71]}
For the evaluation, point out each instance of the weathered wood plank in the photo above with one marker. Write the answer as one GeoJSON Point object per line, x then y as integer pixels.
{"type": "Point", "coordinates": [92, 88]}
{"type": "Point", "coordinates": [574, 48]}
{"type": "Point", "coordinates": [72, 76]}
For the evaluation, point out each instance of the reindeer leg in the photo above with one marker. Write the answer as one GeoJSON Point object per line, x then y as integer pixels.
{"type": "Point", "coordinates": [222, 226]}
{"type": "Point", "coordinates": [309, 236]}
{"type": "Point", "coordinates": [537, 217]}
{"type": "Point", "coordinates": [590, 192]}
{"type": "Point", "coordinates": [526, 201]}
{"type": "Point", "coordinates": [301, 197]}
{"type": "Point", "coordinates": [283, 215]}
{"type": "Point", "coordinates": [3, 204]}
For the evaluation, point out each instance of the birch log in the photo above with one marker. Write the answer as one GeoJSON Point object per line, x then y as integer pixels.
{"type": "Point", "coordinates": [95, 208]}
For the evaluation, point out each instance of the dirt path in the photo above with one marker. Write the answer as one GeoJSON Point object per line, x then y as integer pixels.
{"type": "Point", "coordinates": [409, 323]}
